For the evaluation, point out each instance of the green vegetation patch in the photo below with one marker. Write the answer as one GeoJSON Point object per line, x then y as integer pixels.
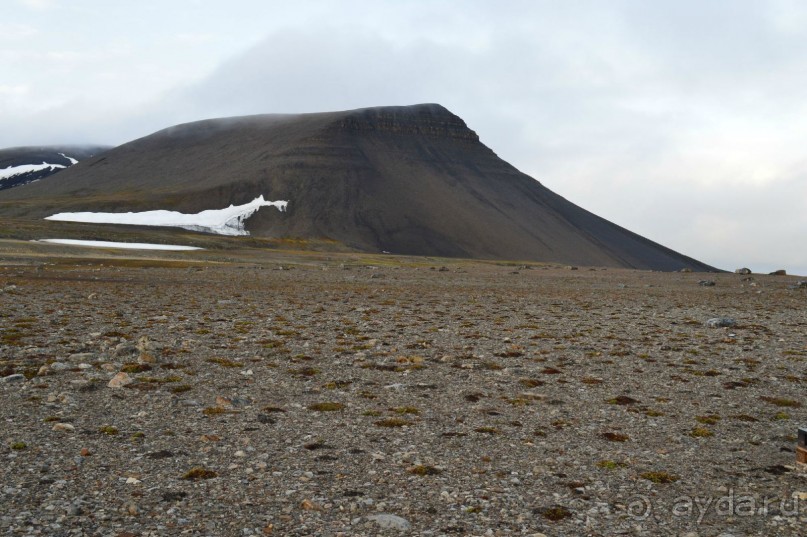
{"type": "Point", "coordinates": [608, 464]}
{"type": "Point", "coordinates": [701, 432]}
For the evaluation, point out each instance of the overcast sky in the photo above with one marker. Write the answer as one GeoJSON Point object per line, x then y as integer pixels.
{"type": "Point", "coordinates": [684, 121]}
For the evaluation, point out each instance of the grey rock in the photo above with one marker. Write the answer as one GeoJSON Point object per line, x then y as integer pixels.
{"type": "Point", "coordinates": [125, 350]}
{"type": "Point", "coordinates": [16, 377]}
{"type": "Point", "coordinates": [780, 272]}
{"type": "Point", "coordinates": [706, 283]}
{"type": "Point", "coordinates": [721, 322]}
{"type": "Point", "coordinates": [388, 521]}
{"type": "Point", "coordinates": [241, 402]}
{"type": "Point", "coordinates": [743, 270]}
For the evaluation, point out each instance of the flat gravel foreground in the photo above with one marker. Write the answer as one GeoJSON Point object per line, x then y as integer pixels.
{"type": "Point", "coordinates": [329, 396]}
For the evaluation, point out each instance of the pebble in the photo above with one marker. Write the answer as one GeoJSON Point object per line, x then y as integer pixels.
{"type": "Point", "coordinates": [389, 521]}
{"type": "Point", "coordinates": [66, 427]}
{"type": "Point", "coordinates": [120, 380]}
{"type": "Point", "coordinates": [124, 350]}
{"type": "Point", "coordinates": [16, 377]}
{"type": "Point", "coordinates": [721, 322]}
{"type": "Point", "coordinates": [308, 505]}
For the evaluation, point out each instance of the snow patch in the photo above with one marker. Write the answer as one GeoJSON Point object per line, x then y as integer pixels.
{"type": "Point", "coordinates": [126, 245]}
{"type": "Point", "coordinates": [229, 221]}
{"type": "Point", "coordinates": [11, 171]}
{"type": "Point", "coordinates": [71, 159]}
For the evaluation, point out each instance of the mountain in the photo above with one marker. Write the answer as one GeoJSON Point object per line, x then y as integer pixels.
{"type": "Point", "coordinates": [22, 165]}
{"type": "Point", "coordinates": [407, 180]}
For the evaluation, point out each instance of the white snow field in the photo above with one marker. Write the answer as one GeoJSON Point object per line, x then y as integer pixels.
{"type": "Point", "coordinates": [11, 171]}
{"type": "Point", "coordinates": [71, 159]}
{"type": "Point", "coordinates": [229, 221]}
{"type": "Point", "coordinates": [127, 245]}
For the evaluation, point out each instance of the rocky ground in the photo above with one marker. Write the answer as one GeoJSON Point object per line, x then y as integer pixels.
{"type": "Point", "coordinates": [349, 395]}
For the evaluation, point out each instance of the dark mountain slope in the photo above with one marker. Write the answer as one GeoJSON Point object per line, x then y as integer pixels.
{"type": "Point", "coordinates": [412, 180]}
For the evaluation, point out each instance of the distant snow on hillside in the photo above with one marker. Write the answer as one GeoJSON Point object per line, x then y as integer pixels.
{"type": "Point", "coordinates": [229, 221]}
{"type": "Point", "coordinates": [71, 159]}
{"type": "Point", "coordinates": [12, 171]}
{"type": "Point", "coordinates": [123, 245]}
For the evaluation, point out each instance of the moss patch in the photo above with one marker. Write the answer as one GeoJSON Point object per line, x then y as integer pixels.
{"type": "Point", "coordinates": [659, 477]}
{"type": "Point", "coordinates": [326, 407]}
{"type": "Point", "coordinates": [615, 437]}
{"type": "Point", "coordinates": [782, 402]}
{"type": "Point", "coordinates": [424, 470]}
{"type": "Point", "coordinates": [701, 432]}
{"type": "Point", "coordinates": [199, 473]}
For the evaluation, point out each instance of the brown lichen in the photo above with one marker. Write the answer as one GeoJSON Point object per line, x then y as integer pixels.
{"type": "Point", "coordinates": [424, 469]}
{"type": "Point", "coordinates": [659, 477]}
{"type": "Point", "coordinates": [393, 422]}
{"type": "Point", "coordinates": [615, 437]}
{"type": "Point", "coordinates": [326, 407]}
{"type": "Point", "coordinates": [199, 472]}
{"type": "Point", "coordinates": [781, 402]}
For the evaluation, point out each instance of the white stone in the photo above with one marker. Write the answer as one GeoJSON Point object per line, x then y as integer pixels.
{"type": "Point", "coordinates": [66, 427]}
{"type": "Point", "coordinates": [388, 521]}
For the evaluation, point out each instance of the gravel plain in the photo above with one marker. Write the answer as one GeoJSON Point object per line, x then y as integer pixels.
{"type": "Point", "coordinates": [310, 394]}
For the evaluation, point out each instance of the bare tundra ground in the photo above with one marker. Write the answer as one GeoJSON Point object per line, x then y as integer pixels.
{"type": "Point", "coordinates": [299, 394]}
